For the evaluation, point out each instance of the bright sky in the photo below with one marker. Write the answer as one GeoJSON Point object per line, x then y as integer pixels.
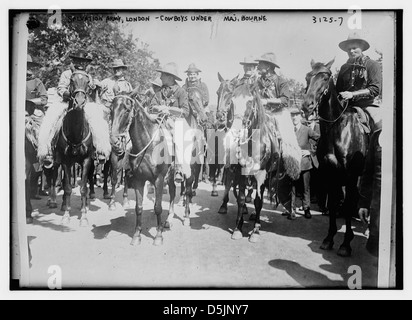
{"type": "Point", "coordinates": [219, 46]}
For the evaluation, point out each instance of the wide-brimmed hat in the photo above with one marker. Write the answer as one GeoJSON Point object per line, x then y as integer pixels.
{"type": "Point", "coordinates": [170, 68]}
{"type": "Point", "coordinates": [118, 63]}
{"type": "Point", "coordinates": [31, 63]}
{"type": "Point", "coordinates": [354, 38]}
{"type": "Point", "coordinates": [157, 82]}
{"type": "Point", "coordinates": [192, 68]}
{"type": "Point", "coordinates": [295, 110]}
{"type": "Point", "coordinates": [269, 57]}
{"type": "Point", "coordinates": [249, 60]}
{"type": "Point", "coordinates": [81, 55]}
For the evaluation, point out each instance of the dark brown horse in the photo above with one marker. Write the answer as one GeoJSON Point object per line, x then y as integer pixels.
{"type": "Point", "coordinates": [75, 145]}
{"type": "Point", "coordinates": [341, 149]}
{"type": "Point", "coordinates": [149, 159]}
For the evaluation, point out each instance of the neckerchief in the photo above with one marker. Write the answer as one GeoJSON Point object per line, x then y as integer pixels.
{"type": "Point", "coordinates": [168, 94]}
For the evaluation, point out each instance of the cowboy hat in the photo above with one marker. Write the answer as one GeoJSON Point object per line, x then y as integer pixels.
{"type": "Point", "coordinates": [270, 58]}
{"type": "Point", "coordinates": [118, 63]}
{"type": "Point", "coordinates": [354, 39]}
{"type": "Point", "coordinates": [170, 68]}
{"type": "Point", "coordinates": [80, 55]}
{"type": "Point", "coordinates": [31, 63]}
{"type": "Point", "coordinates": [157, 82]}
{"type": "Point", "coordinates": [192, 68]}
{"type": "Point", "coordinates": [249, 60]}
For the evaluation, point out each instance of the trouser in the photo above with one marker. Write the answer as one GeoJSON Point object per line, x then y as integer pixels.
{"type": "Point", "coordinates": [305, 178]}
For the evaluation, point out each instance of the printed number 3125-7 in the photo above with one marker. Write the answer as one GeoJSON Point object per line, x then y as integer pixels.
{"type": "Point", "coordinates": [327, 19]}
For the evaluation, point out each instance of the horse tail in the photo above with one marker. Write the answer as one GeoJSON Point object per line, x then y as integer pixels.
{"type": "Point", "coordinates": [99, 127]}
{"type": "Point", "coordinates": [291, 152]}
{"type": "Point", "coordinates": [50, 127]}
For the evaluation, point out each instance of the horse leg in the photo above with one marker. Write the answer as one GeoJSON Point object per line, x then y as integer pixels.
{"type": "Point", "coordinates": [126, 203]}
{"type": "Point", "coordinates": [172, 194]}
{"type": "Point", "coordinates": [188, 195]}
{"type": "Point", "coordinates": [106, 169]}
{"type": "Point", "coordinates": [228, 183]}
{"type": "Point", "coordinates": [260, 186]}
{"type": "Point", "coordinates": [67, 186]}
{"type": "Point", "coordinates": [29, 207]}
{"type": "Point", "coordinates": [212, 178]}
{"type": "Point", "coordinates": [158, 209]}
{"type": "Point", "coordinates": [51, 178]}
{"type": "Point", "coordinates": [137, 238]}
{"type": "Point", "coordinates": [349, 207]}
{"type": "Point", "coordinates": [87, 166]}
{"type": "Point", "coordinates": [90, 178]}
{"type": "Point", "coordinates": [237, 232]}
{"type": "Point", "coordinates": [114, 159]}
{"type": "Point", "coordinates": [196, 172]}
{"type": "Point", "coordinates": [333, 202]}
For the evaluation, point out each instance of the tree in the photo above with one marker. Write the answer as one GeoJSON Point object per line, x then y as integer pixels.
{"type": "Point", "coordinates": [297, 91]}
{"type": "Point", "coordinates": [102, 39]}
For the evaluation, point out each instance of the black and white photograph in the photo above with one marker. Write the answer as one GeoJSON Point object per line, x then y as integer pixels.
{"type": "Point", "coordinates": [206, 149]}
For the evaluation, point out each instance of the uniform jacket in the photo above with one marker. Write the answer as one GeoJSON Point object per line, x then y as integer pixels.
{"type": "Point", "coordinates": [304, 134]}
{"type": "Point", "coordinates": [275, 87]}
{"type": "Point", "coordinates": [174, 96]}
{"type": "Point", "coordinates": [363, 73]}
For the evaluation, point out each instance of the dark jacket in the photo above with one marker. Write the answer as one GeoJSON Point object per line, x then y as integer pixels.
{"type": "Point", "coordinates": [304, 135]}
{"type": "Point", "coordinates": [174, 96]}
{"type": "Point", "coordinates": [364, 73]}
{"type": "Point", "coordinates": [202, 87]}
{"type": "Point", "coordinates": [274, 87]}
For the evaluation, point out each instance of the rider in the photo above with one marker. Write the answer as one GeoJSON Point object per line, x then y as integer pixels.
{"type": "Point", "coordinates": [193, 81]}
{"type": "Point", "coordinates": [275, 94]}
{"type": "Point", "coordinates": [250, 72]}
{"type": "Point", "coordinates": [174, 103]}
{"type": "Point", "coordinates": [53, 119]}
{"type": "Point", "coordinates": [116, 84]}
{"type": "Point", "coordinates": [360, 78]}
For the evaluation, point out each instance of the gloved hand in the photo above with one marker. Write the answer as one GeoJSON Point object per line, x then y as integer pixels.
{"type": "Point", "coordinates": [66, 96]}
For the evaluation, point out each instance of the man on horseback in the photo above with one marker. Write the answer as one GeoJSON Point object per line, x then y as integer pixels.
{"type": "Point", "coordinates": [360, 78]}
{"type": "Point", "coordinates": [274, 91]}
{"type": "Point", "coordinates": [53, 119]}
{"type": "Point", "coordinates": [174, 104]}
{"type": "Point", "coordinates": [249, 67]}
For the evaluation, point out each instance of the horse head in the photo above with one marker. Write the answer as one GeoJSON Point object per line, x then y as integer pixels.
{"type": "Point", "coordinates": [196, 104]}
{"type": "Point", "coordinates": [123, 110]}
{"type": "Point", "coordinates": [79, 83]}
{"type": "Point", "coordinates": [224, 100]}
{"type": "Point", "coordinates": [317, 85]}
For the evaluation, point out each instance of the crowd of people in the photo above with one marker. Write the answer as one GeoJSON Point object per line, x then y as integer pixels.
{"type": "Point", "coordinates": [358, 82]}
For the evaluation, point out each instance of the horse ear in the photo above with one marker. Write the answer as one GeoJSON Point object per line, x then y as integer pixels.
{"type": "Point", "coordinates": [329, 64]}
{"type": "Point", "coordinates": [312, 63]}
{"type": "Point", "coordinates": [220, 77]}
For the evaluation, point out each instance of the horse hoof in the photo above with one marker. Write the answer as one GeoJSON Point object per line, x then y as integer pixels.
{"type": "Point", "coordinates": [254, 237]}
{"type": "Point", "coordinates": [136, 241]}
{"type": "Point", "coordinates": [106, 196]}
{"type": "Point", "coordinates": [327, 245]}
{"type": "Point", "coordinates": [222, 210]}
{"type": "Point", "coordinates": [186, 222]}
{"type": "Point", "coordinates": [168, 225]}
{"type": "Point", "coordinates": [248, 199]}
{"type": "Point", "coordinates": [214, 194]}
{"type": "Point", "coordinates": [65, 220]}
{"type": "Point", "coordinates": [252, 217]}
{"type": "Point", "coordinates": [158, 241]}
{"type": "Point", "coordinates": [29, 220]}
{"type": "Point", "coordinates": [84, 222]}
{"type": "Point", "coordinates": [344, 251]}
{"type": "Point", "coordinates": [92, 196]}
{"type": "Point", "coordinates": [236, 235]}
{"type": "Point", "coordinates": [52, 205]}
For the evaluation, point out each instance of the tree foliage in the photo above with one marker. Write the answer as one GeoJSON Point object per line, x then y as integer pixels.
{"type": "Point", "coordinates": [103, 40]}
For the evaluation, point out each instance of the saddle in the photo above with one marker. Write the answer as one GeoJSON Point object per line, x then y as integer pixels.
{"type": "Point", "coordinates": [363, 118]}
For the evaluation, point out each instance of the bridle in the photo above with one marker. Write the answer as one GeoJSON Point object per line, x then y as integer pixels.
{"type": "Point", "coordinates": [79, 90]}
{"type": "Point", "coordinates": [344, 105]}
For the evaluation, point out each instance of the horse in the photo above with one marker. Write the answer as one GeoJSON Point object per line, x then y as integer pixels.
{"type": "Point", "coordinates": [75, 145]}
{"type": "Point", "coordinates": [149, 159]}
{"type": "Point", "coordinates": [341, 149]}
{"type": "Point", "coordinates": [249, 129]}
